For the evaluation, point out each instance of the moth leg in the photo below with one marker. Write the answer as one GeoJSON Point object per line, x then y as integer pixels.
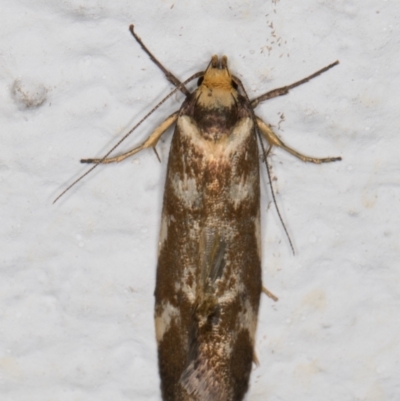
{"type": "Point", "coordinates": [273, 140]}
{"type": "Point", "coordinates": [269, 294]}
{"type": "Point", "coordinates": [150, 142]}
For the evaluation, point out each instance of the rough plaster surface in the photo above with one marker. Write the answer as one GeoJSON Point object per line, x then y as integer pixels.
{"type": "Point", "coordinates": [77, 277]}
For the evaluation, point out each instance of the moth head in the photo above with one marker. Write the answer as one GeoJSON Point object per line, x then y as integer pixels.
{"type": "Point", "coordinates": [217, 75]}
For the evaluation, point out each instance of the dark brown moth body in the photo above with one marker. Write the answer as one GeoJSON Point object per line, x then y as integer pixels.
{"type": "Point", "coordinates": [209, 264]}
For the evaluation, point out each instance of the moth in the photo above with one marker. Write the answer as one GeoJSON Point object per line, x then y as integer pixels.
{"type": "Point", "coordinates": [208, 282]}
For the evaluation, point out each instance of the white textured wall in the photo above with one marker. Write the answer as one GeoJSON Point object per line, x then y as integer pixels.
{"type": "Point", "coordinates": [77, 277]}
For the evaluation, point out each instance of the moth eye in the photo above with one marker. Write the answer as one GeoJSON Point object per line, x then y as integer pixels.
{"type": "Point", "coordinates": [234, 84]}
{"type": "Point", "coordinates": [199, 82]}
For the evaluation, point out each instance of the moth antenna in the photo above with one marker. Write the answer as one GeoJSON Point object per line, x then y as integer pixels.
{"type": "Point", "coordinates": [269, 95]}
{"type": "Point", "coordinates": [158, 156]}
{"type": "Point", "coordinates": [194, 76]}
{"type": "Point", "coordinates": [265, 154]}
{"type": "Point", "coordinates": [168, 74]}
{"type": "Point", "coordinates": [285, 89]}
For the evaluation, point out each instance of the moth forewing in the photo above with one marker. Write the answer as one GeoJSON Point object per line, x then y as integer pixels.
{"type": "Point", "coordinates": [209, 267]}
{"type": "Point", "coordinates": [208, 282]}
